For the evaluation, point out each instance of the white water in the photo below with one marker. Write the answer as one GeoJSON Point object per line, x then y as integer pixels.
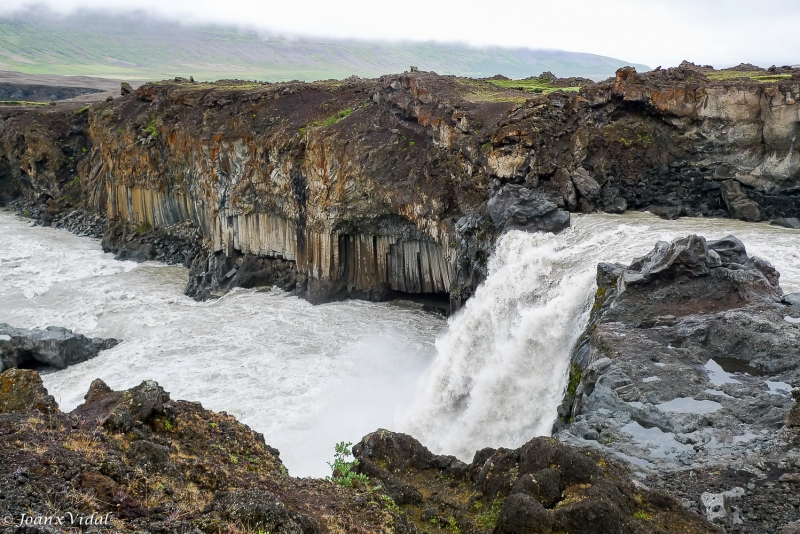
{"type": "Point", "coordinates": [501, 367]}
{"type": "Point", "coordinates": [309, 376]}
{"type": "Point", "coordinates": [305, 376]}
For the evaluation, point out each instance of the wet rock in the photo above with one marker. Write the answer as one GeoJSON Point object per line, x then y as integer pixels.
{"type": "Point", "coordinates": [518, 208]}
{"type": "Point", "coordinates": [21, 391]}
{"type": "Point", "coordinates": [585, 184]}
{"type": "Point", "coordinates": [787, 222]}
{"type": "Point", "coordinates": [740, 206]}
{"type": "Point", "coordinates": [54, 346]}
{"type": "Point", "coordinates": [669, 213]}
{"type": "Point", "coordinates": [792, 299]}
{"type": "Point", "coordinates": [793, 417]}
{"type": "Point", "coordinates": [686, 363]}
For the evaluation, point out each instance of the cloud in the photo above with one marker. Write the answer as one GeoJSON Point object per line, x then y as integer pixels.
{"type": "Point", "coordinates": [655, 32]}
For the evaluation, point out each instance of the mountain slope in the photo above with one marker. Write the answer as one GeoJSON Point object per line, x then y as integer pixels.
{"type": "Point", "coordinates": [135, 46]}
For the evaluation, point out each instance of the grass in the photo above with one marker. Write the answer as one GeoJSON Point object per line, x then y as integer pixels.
{"type": "Point", "coordinates": [330, 121]}
{"type": "Point", "coordinates": [758, 76]}
{"type": "Point", "coordinates": [22, 103]}
{"type": "Point", "coordinates": [532, 85]}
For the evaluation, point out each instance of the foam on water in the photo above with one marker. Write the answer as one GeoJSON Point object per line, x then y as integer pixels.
{"type": "Point", "coordinates": [309, 376]}
{"type": "Point", "coordinates": [501, 367]}
{"type": "Point", "coordinates": [305, 376]}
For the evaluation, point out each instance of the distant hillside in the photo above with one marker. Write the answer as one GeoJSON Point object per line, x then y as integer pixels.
{"type": "Point", "coordinates": [135, 46]}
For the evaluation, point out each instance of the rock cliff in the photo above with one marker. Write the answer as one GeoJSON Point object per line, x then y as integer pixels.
{"type": "Point", "coordinates": [398, 186]}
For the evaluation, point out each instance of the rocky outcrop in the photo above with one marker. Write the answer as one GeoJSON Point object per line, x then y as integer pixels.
{"type": "Point", "coordinates": [542, 487]}
{"type": "Point", "coordinates": [145, 462]}
{"type": "Point", "coordinates": [687, 366]}
{"type": "Point", "coordinates": [397, 186]}
{"type": "Point", "coordinates": [21, 391]}
{"type": "Point", "coordinates": [54, 346]}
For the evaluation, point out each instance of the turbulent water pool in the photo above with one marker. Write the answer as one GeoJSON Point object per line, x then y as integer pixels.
{"type": "Point", "coordinates": [310, 376]}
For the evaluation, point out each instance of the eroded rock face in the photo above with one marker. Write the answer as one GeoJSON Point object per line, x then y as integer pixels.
{"type": "Point", "coordinates": [687, 367]}
{"type": "Point", "coordinates": [363, 184]}
{"type": "Point", "coordinates": [542, 487]}
{"type": "Point", "coordinates": [53, 346]}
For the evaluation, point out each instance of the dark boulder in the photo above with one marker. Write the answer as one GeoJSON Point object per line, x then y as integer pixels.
{"type": "Point", "coordinates": [54, 346]}
{"type": "Point", "coordinates": [787, 222]}
{"type": "Point", "coordinates": [522, 514]}
{"type": "Point", "coordinates": [740, 206]}
{"type": "Point", "coordinates": [515, 207]}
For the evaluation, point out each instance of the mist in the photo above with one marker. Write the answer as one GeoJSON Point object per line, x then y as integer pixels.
{"type": "Point", "coordinates": [660, 32]}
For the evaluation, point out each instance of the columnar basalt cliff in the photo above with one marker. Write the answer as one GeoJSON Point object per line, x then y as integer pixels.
{"type": "Point", "coordinates": [378, 188]}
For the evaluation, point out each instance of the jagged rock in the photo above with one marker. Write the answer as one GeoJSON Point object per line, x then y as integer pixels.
{"type": "Point", "coordinates": [518, 208]}
{"type": "Point", "coordinates": [718, 507]}
{"type": "Point", "coordinates": [565, 186]}
{"type": "Point", "coordinates": [522, 514]}
{"type": "Point", "coordinates": [686, 347]}
{"type": "Point", "coordinates": [544, 486]}
{"type": "Point", "coordinates": [125, 88]}
{"type": "Point", "coordinates": [739, 204]}
{"type": "Point", "coordinates": [787, 222]}
{"type": "Point", "coordinates": [21, 391]}
{"type": "Point", "coordinates": [55, 346]}
{"type": "Point", "coordinates": [793, 417]}
{"type": "Point", "coordinates": [585, 184]}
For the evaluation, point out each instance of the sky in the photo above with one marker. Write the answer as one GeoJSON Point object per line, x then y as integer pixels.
{"type": "Point", "coordinates": [654, 32]}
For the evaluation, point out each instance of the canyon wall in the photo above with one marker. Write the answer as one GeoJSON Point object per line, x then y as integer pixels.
{"type": "Point", "coordinates": [379, 188]}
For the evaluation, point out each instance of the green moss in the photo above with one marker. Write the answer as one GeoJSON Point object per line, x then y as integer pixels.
{"type": "Point", "coordinates": [532, 85]}
{"type": "Point", "coordinates": [144, 228]}
{"type": "Point", "coordinates": [22, 103]}
{"type": "Point", "coordinates": [83, 110]}
{"type": "Point", "coordinates": [574, 379]}
{"type": "Point", "coordinates": [643, 516]}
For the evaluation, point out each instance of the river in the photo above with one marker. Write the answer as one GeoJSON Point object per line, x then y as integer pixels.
{"type": "Point", "coordinates": [310, 376]}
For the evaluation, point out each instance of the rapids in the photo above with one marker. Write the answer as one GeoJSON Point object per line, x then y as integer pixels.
{"type": "Point", "coordinates": [310, 376]}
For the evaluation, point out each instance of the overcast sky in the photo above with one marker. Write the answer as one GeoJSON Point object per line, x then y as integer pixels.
{"type": "Point", "coordinates": [654, 32]}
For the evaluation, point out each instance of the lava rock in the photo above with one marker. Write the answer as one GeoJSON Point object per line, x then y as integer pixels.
{"type": "Point", "coordinates": [54, 346]}
{"type": "Point", "coordinates": [518, 208]}
{"type": "Point", "coordinates": [522, 514]}
{"type": "Point", "coordinates": [21, 390]}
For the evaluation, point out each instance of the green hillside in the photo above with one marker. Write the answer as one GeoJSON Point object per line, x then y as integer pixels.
{"type": "Point", "coordinates": [135, 46]}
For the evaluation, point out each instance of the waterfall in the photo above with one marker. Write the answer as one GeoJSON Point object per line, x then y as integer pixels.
{"type": "Point", "coordinates": [501, 366]}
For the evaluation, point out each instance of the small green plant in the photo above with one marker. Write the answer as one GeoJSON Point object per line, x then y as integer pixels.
{"type": "Point", "coordinates": [168, 426]}
{"type": "Point", "coordinates": [452, 526]}
{"type": "Point", "coordinates": [488, 518]}
{"type": "Point", "coordinates": [343, 472]}
{"type": "Point", "coordinates": [83, 110]}
{"type": "Point", "coordinates": [152, 127]}
{"type": "Point", "coordinates": [234, 459]}
{"type": "Point", "coordinates": [213, 425]}
{"type": "Point", "coordinates": [643, 516]}
{"type": "Point", "coordinates": [390, 505]}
